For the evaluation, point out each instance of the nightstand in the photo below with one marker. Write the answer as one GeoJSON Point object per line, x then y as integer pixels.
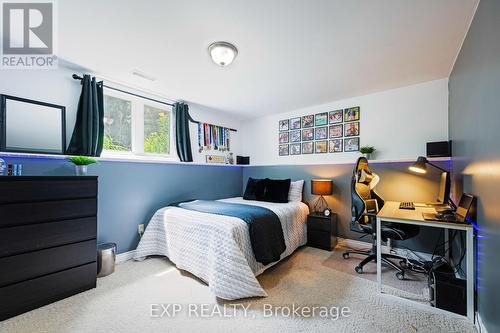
{"type": "Point", "coordinates": [321, 231]}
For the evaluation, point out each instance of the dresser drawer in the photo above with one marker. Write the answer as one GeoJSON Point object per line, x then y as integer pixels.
{"type": "Point", "coordinates": [43, 189]}
{"type": "Point", "coordinates": [319, 224]}
{"type": "Point", "coordinates": [31, 294]}
{"type": "Point", "coordinates": [36, 212]}
{"type": "Point", "coordinates": [32, 237]}
{"type": "Point", "coordinates": [320, 239]}
{"type": "Point", "coordinates": [34, 264]}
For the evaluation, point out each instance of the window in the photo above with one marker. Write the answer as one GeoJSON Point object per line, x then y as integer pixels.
{"type": "Point", "coordinates": [117, 124]}
{"type": "Point", "coordinates": [135, 126]}
{"type": "Point", "coordinates": [156, 130]}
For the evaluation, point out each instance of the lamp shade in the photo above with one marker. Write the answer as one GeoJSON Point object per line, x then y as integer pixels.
{"type": "Point", "coordinates": [321, 186]}
{"type": "Point", "coordinates": [420, 166]}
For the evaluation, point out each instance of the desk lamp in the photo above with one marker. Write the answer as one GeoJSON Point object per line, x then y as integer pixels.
{"type": "Point", "coordinates": [420, 166]}
{"type": "Point", "coordinates": [321, 187]}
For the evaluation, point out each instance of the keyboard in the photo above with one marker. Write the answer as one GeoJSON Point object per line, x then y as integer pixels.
{"type": "Point", "coordinates": [407, 205]}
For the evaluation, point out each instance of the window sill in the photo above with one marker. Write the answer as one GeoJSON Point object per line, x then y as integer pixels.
{"type": "Point", "coordinates": [119, 159]}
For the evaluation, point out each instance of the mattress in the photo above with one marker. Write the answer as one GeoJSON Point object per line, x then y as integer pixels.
{"type": "Point", "coordinates": [217, 248]}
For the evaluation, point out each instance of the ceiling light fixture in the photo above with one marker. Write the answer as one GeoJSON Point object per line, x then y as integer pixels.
{"type": "Point", "coordinates": [222, 53]}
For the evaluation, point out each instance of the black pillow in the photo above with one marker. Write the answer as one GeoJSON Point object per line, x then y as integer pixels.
{"type": "Point", "coordinates": [277, 190]}
{"type": "Point", "coordinates": [255, 189]}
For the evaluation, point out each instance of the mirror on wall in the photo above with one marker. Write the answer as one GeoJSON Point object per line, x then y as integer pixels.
{"type": "Point", "coordinates": [28, 126]}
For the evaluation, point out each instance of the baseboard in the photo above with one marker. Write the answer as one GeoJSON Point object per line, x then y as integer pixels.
{"type": "Point", "coordinates": [479, 324]}
{"type": "Point", "coordinates": [354, 243]}
{"type": "Point", "coordinates": [125, 256]}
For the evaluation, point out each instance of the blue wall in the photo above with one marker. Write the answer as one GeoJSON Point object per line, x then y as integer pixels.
{"type": "Point", "coordinates": [474, 128]}
{"type": "Point", "coordinates": [130, 193]}
{"type": "Point", "coordinates": [397, 184]}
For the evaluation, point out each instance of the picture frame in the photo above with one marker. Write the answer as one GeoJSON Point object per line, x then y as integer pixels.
{"type": "Point", "coordinates": [351, 114]}
{"type": "Point", "coordinates": [351, 144]}
{"type": "Point", "coordinates": [336, 116]}
{"type": "Point", "coordinates": [336, 146]}
{"type": "Point", "coordinates": [351, 129]}
{"type": "Point", "coordinates": [296, 123]}
{"type": "Point", "coordinates": [307, 147]}
{"type": "Point", "coordinates": [320, 147]}
{"type": "Point", "coordinates": [295, 149]}
{"type": "Point", "coordinates": [321, 133]}
{"type": "Point", "coordinates": [308, 134]}
{"type": "Point", "coordinates": [284, 125]}
{"type": "Point", "coordinates": [283, 137]}
{"type": "Point", "coordinates": [321, 119]}
{"type": "Point", "coordinates": [308, 121]}
{"type": "Point", "coordinates": [295, 136]}
{"type": "Point", "coordinates": [336, 131]}
{"type": "Point", "coordinates": [284, 150]}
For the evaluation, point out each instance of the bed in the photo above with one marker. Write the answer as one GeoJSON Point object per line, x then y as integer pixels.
{"type": "Point", "coordinates": [217, 248]}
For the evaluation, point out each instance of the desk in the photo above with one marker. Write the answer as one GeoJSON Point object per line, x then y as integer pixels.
{"type": "Point", "coordinates": [391, 213]}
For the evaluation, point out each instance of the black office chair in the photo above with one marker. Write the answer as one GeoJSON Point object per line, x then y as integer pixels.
{"type": "Point", "coordinates": [365, 206]}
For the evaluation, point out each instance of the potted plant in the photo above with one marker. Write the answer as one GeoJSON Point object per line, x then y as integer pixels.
{"type": "Point", "coordinates": [81, 163]}
{"type": "Point", "coordinates": [367, 151]}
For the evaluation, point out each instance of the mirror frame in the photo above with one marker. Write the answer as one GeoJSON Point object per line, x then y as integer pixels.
{"type": "Point", "coordinates": [3, 129]}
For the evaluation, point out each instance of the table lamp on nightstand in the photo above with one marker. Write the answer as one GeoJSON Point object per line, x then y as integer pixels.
{"type": "Point", "coordinates": [321, 187]}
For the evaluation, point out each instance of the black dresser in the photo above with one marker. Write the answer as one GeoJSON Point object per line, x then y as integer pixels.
{"type": "Point", "coordinates": [48, 229]}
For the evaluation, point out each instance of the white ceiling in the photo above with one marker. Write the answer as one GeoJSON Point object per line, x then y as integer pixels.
{"type": "Point", "coordinates": [292, 54]}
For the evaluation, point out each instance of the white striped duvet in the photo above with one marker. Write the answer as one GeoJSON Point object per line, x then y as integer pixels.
{"type": "Point", "coordinates": [217, 248]}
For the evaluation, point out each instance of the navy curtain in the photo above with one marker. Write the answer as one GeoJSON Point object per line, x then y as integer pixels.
{"type": "Point", "coordinates": [182, 138]}
{"type": "Point", "coordinates": [88, 135]}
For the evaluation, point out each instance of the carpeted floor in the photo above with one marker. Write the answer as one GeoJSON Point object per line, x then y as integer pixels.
{"type": "Point", "coordinates": [311, 279]}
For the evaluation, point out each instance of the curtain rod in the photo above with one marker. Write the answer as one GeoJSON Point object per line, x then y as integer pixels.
{"type": "Point", "coordinates": [76, 77]}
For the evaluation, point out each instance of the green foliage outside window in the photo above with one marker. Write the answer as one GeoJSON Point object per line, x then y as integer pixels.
{"type": "Point", "coordinates": [156, 131]}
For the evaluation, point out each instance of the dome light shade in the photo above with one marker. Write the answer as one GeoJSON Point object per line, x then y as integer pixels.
{"type": "Point", "coordinates": [222, 53]}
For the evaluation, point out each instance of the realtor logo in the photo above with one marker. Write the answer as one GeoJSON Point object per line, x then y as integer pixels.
{"type": "Point", "coordinates": [28, 35]}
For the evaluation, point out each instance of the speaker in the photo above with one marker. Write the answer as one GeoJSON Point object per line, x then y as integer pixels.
{"type": "Point", "coordinates": [448, 292]}
{"type": "Point", "coordinates": [439, 149]}
{"type": "Point", "coordinates": [243, 160]}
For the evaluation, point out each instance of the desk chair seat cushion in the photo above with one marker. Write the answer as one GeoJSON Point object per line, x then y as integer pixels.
{"type": "Point", "coordinates": [394, 231]}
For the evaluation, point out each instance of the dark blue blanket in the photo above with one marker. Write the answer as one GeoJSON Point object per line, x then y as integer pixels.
{"type": "Point", "coordinates": [266, 233]}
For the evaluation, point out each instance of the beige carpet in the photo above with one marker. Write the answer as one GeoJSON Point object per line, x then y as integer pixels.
{"type": "Point", "coordinates": [122, 303]}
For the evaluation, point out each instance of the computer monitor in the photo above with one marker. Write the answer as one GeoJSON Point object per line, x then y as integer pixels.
{"type": "Point", "coordinates": [465, 205]}
{"type": "Point", "coordinates": [444, 188]}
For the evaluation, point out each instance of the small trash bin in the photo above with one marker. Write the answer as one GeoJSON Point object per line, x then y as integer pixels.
{"type": "Point", "coordinates": [106, 257]}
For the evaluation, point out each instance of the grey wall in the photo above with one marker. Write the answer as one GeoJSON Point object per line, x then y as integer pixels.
{"type": "Point", "coordinates": [130, 193]}
{"type": "Point", "coordinates": [397, 184]}
{"type": "Point", "coordinates": [474, 121]}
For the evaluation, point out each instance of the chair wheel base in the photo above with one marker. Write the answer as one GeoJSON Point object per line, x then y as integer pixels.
{"type": "Point", "coordinates": [358, 269]}
{"type": "Point", "coordinates": [400, 276]}
{"type": "Point", "coordinates": [345, 255]}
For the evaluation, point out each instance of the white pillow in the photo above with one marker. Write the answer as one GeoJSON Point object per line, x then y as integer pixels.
{"type": "Point", "coordinates": [295, 193]}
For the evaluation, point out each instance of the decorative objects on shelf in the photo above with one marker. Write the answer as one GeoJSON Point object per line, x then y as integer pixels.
{"type": "Point", "coordinates": [325, 132]}
{"type": "Point", "coordinates": [321, 187]}
{"type": "Point", "coordinates": [215, 159]}
{"type": "Point", "coordinates": [213, 137]}
{"type": "Point", "coordinates": [81, 164]}
{"type": "Point", "coordinates": [367, 151]}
